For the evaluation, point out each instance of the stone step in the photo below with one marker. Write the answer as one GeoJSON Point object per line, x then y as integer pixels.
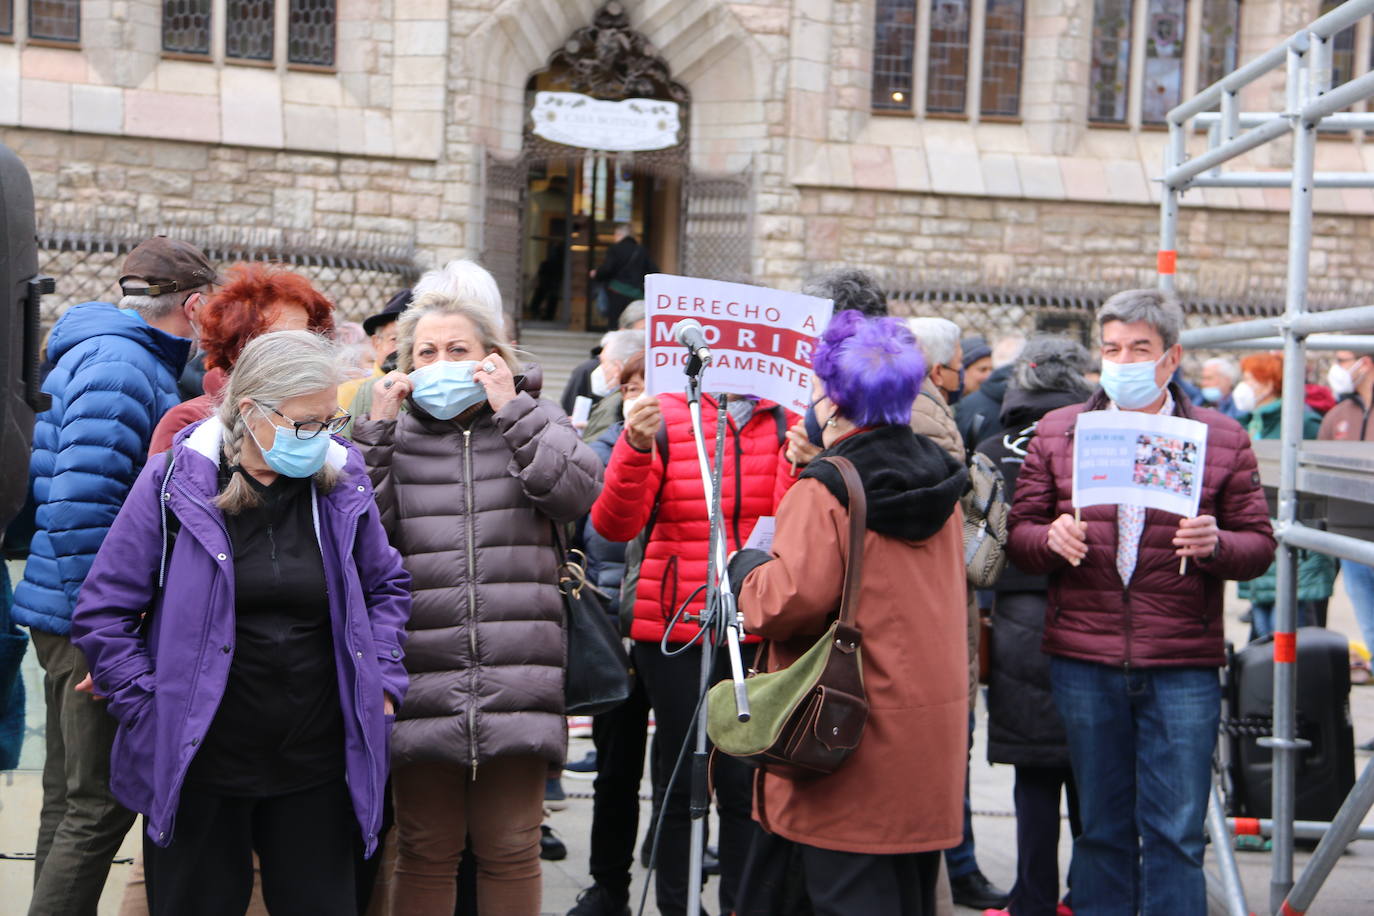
{"type": "Point", "coordinates": [558, 351]}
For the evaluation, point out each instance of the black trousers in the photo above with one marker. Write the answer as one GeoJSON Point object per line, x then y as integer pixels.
{"type": "Point", "coordinates": [306, 844]}
{"type": "Point", "coordinates": [673, 685]}
{"type": "Point", "coordinates": [620, 737]}
{"type": "Point", "coordinates": [848, 883]}
{"type": "Point", "coordinates": [1036, 796]}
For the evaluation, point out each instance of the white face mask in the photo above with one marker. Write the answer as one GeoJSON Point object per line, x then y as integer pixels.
{"type": "Point", "coordinates": [1341, 380]}
{"type": "Point", "coordinates": [1244, 398]}
{"type": "Point", "coordinates": [626, 406]}
{"type": "Point", "coordinates": [600, 385]}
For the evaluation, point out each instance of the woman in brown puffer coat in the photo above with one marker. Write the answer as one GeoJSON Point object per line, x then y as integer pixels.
{"type": "Point", "coordinates": [471, 472]}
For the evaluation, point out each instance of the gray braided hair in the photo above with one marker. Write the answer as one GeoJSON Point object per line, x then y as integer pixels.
{"type": "Point", "coordinates": [273, 368]}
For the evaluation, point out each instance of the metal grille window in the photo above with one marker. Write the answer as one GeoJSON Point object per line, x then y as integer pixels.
{"type": "Point", "coordinates": [248, 29]}
{"type": "Point", "coordinates": [948, 71]}
{"type": "Point", "coordinates": [310, 33]}
{"type": "Point", "coordinates": [6, 17]}
{"type": "Point", "coordinates": [1111, 60]}
{"type": "Point", "coordinates": [1164, 38]}
{"type": "Point", "coordinates": [1002, 51]}
{"type": "Point", "coordinates": [55, 20]}
{"type": "Point", "coordinates": [894, 46]}
{"type": "Point", "coordinates": [1220, 27]}
{"type": "Point", "coordinates": [186, 26]}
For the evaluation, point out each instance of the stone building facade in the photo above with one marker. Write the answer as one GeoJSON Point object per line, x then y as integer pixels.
{"type": "Point", "coordinates": [402, 139]}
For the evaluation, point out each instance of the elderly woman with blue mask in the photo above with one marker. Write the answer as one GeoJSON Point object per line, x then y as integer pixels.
{"type": "Point", "coordinates": [471, 479]}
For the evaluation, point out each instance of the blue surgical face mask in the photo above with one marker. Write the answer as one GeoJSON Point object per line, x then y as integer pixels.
{"type": "Point", "coordinates": [445, 389]}
{"type": "Point", "coordinates": [813, 425]}
{"type": "Point", "coordinates": [1211, 394]}
{"type": "Point", "coordinates": [1131, 386]}
{"type": "Point", "coordinates": [290, 456]}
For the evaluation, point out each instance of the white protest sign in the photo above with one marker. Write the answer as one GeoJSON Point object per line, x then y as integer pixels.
{"type": "Point", "coordinates": [762, 536]}
{"type": "Point", "coordinates": [761, 339]}
{"type": "Point", "coordinates": [1135, 459]}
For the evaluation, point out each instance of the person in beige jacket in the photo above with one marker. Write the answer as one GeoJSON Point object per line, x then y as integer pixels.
{"type": "Point", "coordinates": [932, 416]}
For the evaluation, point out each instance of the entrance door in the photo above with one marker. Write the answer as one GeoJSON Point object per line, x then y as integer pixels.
{"type": "Point", "coordinates": [574, 207]}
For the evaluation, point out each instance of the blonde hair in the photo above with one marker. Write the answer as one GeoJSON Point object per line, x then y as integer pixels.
{"type": "Point", "coordinates": [492, 335]}
{"type": "Point", "coordinates": [273, 368]}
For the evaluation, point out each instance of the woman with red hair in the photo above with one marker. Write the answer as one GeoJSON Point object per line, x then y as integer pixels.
{"type": "Point", "coordinates": [1260, 394]}
{"type": "Point", "coordinates": [256, 300]}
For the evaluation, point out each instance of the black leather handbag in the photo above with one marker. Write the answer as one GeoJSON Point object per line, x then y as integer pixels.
{"type": "Point", "coordinates": [598, 677]}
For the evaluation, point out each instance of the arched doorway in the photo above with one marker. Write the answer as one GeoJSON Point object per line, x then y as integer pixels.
{"type": "Point", "coordinates": [551, 213]}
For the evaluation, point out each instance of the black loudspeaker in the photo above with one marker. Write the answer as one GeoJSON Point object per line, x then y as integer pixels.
{"type": "Point", "coordinates": [21, 291]}
{"type": "Point", "coordinates": [1326, 770]}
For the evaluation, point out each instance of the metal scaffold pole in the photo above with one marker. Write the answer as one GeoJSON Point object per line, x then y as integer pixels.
{"type": "Point", "coordinates": [1312, 106]}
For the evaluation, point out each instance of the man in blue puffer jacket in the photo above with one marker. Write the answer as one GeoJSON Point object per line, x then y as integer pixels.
{"type": "Point", "coordinates": [114, 374]}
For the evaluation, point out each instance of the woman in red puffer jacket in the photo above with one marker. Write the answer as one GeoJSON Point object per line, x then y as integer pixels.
{"type": "Point", "coordinates": [654, 476]}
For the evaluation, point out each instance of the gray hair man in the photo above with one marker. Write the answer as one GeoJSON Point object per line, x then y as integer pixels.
{"type": "Point", "coordinates": [616, 349]}
{"type": "Point", "coordinates": [114, 375]}
{"type": "Point", "coordinates": [1135, 640]}
{"type": "Point", "coordinates": [1220, 375]}
{"type": "Point", "coordinates": [932, 415]}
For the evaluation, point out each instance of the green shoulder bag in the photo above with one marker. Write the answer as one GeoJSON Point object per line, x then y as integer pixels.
{"type": "Point", "coordinates": [806, 719]}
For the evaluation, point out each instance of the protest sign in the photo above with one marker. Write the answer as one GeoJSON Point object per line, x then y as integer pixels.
{"type": "Point", "coordinates": [761, 339]}
{"type": "Point", "coordinates": [1136, 459]}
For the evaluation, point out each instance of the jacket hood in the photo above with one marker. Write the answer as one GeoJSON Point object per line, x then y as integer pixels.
{"type": "Point", "coordinates": [1021, 408]}
{"type": "Point", "coordinates": [912, 484]}
{"type": "Point", "coordinates": [101, 319]}
{"type": "Point", "coordinates": [995, 385]}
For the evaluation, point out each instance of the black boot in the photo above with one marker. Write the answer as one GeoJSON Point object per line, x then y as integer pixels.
{"type": "Point", "coordinates": [976, 892]}
{"type": "Point", "coordinates": [599, 901]}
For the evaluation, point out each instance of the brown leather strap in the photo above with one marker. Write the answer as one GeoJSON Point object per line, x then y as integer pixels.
{"type": "Point", "coordinates": [858, 525]}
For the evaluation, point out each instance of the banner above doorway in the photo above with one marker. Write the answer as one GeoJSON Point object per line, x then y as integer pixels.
{"type": "Point", "coordinates": [630, 125]}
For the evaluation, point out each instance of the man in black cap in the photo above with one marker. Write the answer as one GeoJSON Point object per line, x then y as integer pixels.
{"type": "Point", "coordinates": [114, 374]}
{"type": "Point", "coordinates": [381, 330]}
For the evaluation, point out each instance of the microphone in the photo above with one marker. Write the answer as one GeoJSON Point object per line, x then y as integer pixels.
{"type": "Point", "coordinates": [691, 335]}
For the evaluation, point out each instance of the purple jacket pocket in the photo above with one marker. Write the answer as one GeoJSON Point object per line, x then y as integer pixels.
{"type": "Point", "coordinates": [132, 757]}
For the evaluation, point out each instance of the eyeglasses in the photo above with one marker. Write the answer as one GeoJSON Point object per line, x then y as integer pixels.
{"type": "Point", "coordinates": [309, 429]}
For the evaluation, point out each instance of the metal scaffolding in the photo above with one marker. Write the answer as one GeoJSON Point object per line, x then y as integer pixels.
{"type": "Point", "coordinates": [1312, 105]}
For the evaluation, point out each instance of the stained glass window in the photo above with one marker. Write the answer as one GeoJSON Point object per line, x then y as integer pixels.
{"type": "Point", "coordinates": [6, 17]}
{"type": "Point", "coordinates": [310, 33]}
{"type": "Point", "coordinates": [894, 43]}
{"type": "Point", "coordinates": [948, 71]}
{"type": "Point", "coordinates": [55, 20]}
{"type": "Point", "coordinates": [1218, 41]}
{"type": "Point", "coordinates": [1111, 64]}
{"type": "Point", "coordinates": [1165, 24]}
{"type": "Point", "coordinates": [248, 29]}
{"type": "Point", "coordinates": [186, 26]}
{"type": "Point", "coordinates": [1003, 39]}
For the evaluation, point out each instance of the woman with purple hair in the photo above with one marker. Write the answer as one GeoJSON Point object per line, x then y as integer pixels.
{"type": "Point", "coordinates": [867, 838]}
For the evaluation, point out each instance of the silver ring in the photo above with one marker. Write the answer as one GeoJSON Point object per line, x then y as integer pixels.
{"type": "Point", "coordinates": [488, 367]}
{"type": "Point", "coordinates": [388, 383]}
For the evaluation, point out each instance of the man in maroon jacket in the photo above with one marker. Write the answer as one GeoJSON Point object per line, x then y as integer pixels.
{"type": "Point", "coordinates": [1134, 643]}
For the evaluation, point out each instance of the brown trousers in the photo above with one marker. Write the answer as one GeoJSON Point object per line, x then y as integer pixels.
{"type": "Point", "coordinates": [439, 805]}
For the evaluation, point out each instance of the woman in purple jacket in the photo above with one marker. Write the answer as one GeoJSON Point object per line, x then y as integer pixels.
{"type": "Point", "coordinates": [245, 619]}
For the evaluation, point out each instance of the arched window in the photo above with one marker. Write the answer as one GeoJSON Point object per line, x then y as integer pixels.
{"type": "Point", "coordinates": [944, 34]}
{"type": "Point", "coordinates": [1151, 39]}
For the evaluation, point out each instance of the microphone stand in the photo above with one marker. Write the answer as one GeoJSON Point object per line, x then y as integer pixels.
{"type": "Point", "coordinates": [720, 621]}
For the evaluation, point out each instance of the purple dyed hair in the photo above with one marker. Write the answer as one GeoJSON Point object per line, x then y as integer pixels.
{"type": "Point", "coordinates": [871, 368]}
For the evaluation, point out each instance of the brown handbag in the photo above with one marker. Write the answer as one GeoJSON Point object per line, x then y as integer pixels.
{"type": "Point", "coordinates": [806, 718]}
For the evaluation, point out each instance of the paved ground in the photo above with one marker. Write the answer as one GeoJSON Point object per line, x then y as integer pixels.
{"type": "Point", "coordinates": [1349, 891]}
